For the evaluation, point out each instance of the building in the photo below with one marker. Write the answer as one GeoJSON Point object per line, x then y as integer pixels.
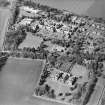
{"type": "Point", "coordinates": [25, 21]}
{"type": "Point", "coordinates": [31, 10]}
{"type": "Point", "coordinates": [57, 48]}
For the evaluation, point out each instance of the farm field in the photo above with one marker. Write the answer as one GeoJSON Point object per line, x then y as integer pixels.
{"type": "Point", "coordinates": [18, 78]}
{"type": "Point", "coordinates": [4, 16]}
{"type": "Point", "coordinates": [86, 7]}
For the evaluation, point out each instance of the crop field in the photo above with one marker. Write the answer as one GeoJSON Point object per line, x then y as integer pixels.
{"type": "Point", "coordinates": [18, 78]}
{"type": "Point", "coordinates": [4, 16]}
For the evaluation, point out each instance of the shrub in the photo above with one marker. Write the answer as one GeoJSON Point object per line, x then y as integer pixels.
{"type": "Point", "coordinates": [90, 91]}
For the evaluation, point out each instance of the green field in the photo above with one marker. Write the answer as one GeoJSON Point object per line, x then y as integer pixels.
{"type": "Point", "coordinates": [4, 16]}
{"type": "Point", "coordinates": [17, 81]}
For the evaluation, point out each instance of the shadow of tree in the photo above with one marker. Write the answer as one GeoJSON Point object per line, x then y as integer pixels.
{"type": "Point", "coordinates": [3, 61]}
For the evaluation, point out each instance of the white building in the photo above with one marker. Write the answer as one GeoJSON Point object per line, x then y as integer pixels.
{"type": "Point", "coordinates": [25, 21]}
{"type": "Point", "coordinates": [57, 48]}
{"type": "Point", "coordinates": [74, 18]}
{"type": "Point", "coordinates": [31, 10]}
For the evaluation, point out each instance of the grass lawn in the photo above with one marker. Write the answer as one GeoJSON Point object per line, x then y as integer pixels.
{"type": "Point", "coordinates": [31, 41]}
{"type": "Point", "coordinates": [78, 70]}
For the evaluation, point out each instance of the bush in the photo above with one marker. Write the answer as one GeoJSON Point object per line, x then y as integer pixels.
{"type": "Point", "coordinates": [90, 91]}
{"type": "Point", "coordinates": [3, 62]}
{"type": "Point", "coordinates": [4, 3]}
{"type": "Point", "coordinates": [15, 14]}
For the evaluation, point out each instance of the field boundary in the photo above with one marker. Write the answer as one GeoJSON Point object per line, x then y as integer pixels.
{"type": "Point", "coordinates": [52, 100]}
{"type": "Point", "coordinates": [103, 90]}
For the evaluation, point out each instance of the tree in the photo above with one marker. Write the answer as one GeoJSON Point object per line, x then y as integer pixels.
{"type": "Point", "coordinates": [90, 91]}
{"type": "Point", "coordinates": [4, 3]}
{"type": "Point", "coordinates": [47, 88]}
{"type": "Point", "coordinates": [52, 94]}
{"type": "Point", "coordinates": [54, 29]}
{"type": "Point", "coordinates": [103, 101]}
{"type": "Point", "coordinates": [33, 50]}
{"type": "Point", "coordinates": [60, 75]}
{"type": "Point", "coordinates": [3, 62]}
{"type": "Point", "coordinates": [74, 80]}
{"type": "Point", "coordinates": [51, 59]}
{"type": "Point", "coordinates": [15, 14]}
{"type": "Point", "coordinates": [66, 78]}
{"type": "Point", "coordinates": [79, 60]}
{"type": "Point", "coordinates": [77, 95]}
